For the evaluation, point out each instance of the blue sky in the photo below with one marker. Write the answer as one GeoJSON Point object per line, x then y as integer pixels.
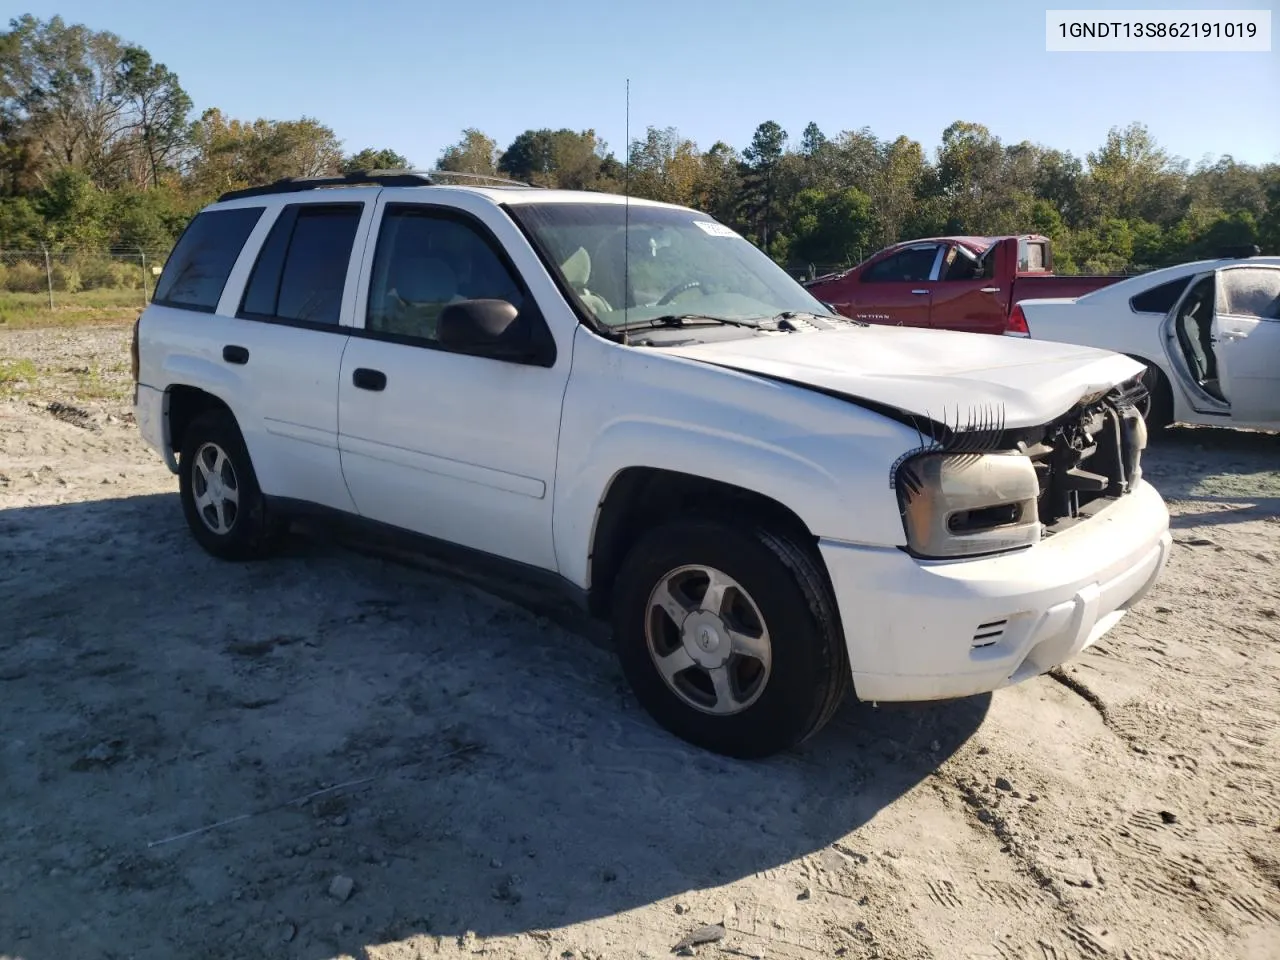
{"type": "Point", "coordinates": [410, 74]}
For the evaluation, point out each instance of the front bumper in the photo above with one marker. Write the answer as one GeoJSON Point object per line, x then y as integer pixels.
{"type": "Point", "coordinates": [934, 630]}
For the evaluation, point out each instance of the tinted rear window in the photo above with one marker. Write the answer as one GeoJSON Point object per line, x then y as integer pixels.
{"type": "Point", "coordinates": [1159, 299]}
{"type": "Point", "coordinates": [198, 268]}
{"type": "Point", "coordinates": [302, 270]}
{"type": "Point", "coordinates": [315, 269]}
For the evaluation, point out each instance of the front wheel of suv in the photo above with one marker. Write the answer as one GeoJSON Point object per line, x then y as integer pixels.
{"type": "Point", "coordinates": [223, 504]}
{"type": "Point", "coordinates": [728, 634]}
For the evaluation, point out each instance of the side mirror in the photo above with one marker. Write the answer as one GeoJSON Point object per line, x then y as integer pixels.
{"type": "Point", "coordinates": [489, 327]}
{"type": "Point", "coordinates": [496, 329]}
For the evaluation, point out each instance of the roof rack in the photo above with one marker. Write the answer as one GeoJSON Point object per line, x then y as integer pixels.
{"type": "Point", "coordinates": [382, 178]}
{"type": "Point", "coordinates": [480, 178]}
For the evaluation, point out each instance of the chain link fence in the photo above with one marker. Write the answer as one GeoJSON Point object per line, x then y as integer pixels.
{"type": "Point", "coordinates": [67, 278]}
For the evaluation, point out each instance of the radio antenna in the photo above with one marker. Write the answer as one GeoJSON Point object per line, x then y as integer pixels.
{"type": "Point", "coordinates": [626, 227]}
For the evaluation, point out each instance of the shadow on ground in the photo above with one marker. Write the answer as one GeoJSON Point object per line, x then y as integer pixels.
{"type": "Point", "coordinates": [1233, 476]}
{"type": "Point", "coordinates": [499, 778]}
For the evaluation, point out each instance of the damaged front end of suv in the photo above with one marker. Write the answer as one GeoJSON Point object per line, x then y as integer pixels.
{"type": "Point", "coordinates": [981, 488]}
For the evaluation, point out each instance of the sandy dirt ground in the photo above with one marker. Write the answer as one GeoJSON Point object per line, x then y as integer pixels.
{"type": "Point", "coordinates": [329, 754]}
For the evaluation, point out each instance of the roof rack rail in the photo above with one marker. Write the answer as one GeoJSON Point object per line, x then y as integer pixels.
{"type": "Point", "coordinates": [479, 178]}
{"type": "Point", "coordinates": [382, 178]}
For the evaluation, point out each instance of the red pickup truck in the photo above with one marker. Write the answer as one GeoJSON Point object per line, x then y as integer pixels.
{"type": "Point", "coordinates": [952, 283]}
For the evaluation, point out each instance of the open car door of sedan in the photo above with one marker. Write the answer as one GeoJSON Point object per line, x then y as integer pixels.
{"type": "Point", "coordinates": [1246, 340]}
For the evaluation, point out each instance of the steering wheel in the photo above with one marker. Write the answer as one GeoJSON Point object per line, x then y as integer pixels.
{"type": "Point", "coordinates": [677, 290]}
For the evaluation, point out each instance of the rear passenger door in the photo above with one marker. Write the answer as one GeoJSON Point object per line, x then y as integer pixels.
{"type": "Point", "coordinates": [454, 446]}
{"type": "Point", "coordinates": [292, 316]}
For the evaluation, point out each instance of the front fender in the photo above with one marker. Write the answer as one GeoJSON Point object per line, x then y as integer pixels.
{"type": "Point", "coordinates": [857, 505]}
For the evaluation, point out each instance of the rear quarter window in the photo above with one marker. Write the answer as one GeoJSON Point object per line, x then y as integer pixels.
{"type": "Point", "coordinates": [198, 268]}
{"type": "Point", "coordinates": [1159, 299]}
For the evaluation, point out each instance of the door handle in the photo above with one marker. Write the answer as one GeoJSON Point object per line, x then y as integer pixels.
{"type": "Point", "coordinates": [367, 379]}
{"type": "Point", "coordinates": [919, 291]}
{"type": "Point", "coordinates": [989, 290]}
{"type": "Point", "coordinates": [233, 354]}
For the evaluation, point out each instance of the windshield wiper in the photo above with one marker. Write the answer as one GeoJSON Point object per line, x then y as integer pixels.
{"type": "Point", "coordinates": [688, 319]}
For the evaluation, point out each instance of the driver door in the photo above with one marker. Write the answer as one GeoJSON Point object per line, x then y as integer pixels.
{"type": "Point", "coordinates": [898, 290]}
{"type": "Point", "coordinates": [1246, 339]}
{"type": "Point", "coordinates": [433, 440]}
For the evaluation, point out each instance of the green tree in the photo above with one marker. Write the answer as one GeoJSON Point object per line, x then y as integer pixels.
{"type": "Point", "coordinates": [63, 85]}
{"type": "Point", "coordinates": [1133, 178]}
{"type": "Point", "coordinates": [231, 153]}
{"type": "Point", "coordinates": [157, 110]}
{"type": "Point", "coordinates": [74, 211]}
{"type": "Point", "coordinates": [372, 159]}
{"type": "Point", "coordinates": [474, 153]}
{"type": "Point", "coordinates": [896, 188]}
{"type": "Point", "coordinates": [831, 229]}
{"type": "Point", "coordinates": [665, 166]}
{"type": "Point", "coordinates": [1269, 222]}
{"type": "Point", "coordinates": [761, 160]}
{"type": "Point", "coordinates": [1058, 180]}
{"type": "Point", "coordinates": [555, 158]}
{"type": "Point", "coordinates": [812, 140]}
{"type": "Point", "coordinates": [22, 225]}
{"type": "Point", "coordinates": [719, 183]}
{"type": "Point", "coordinates": [970, 168]}
{"type": "Point", "coordinates": [145, 219]}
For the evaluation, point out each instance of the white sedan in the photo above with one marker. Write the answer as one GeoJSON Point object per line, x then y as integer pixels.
{"type": "Point", "coordinates": [1209, 333]}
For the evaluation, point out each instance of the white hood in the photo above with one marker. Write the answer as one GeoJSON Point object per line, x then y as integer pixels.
{"type": "Point", "coordinates": [933, 373]}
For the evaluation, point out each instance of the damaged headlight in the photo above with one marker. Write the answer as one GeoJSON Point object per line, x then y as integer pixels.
{"type": "Point", "coordinates": [968, 504]}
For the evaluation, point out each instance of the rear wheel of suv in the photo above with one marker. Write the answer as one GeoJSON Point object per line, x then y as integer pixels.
{"type": "Point", "coordinates": [729, 636]}
{"type": "Point", "coordinates": [223, 505]}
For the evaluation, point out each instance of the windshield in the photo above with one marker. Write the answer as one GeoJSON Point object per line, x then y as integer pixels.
{"type": "Point", "coordinates": [675, 262]}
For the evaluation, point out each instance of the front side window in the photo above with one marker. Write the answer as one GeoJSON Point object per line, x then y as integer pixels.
{"type": "Point", "coordinates": [198, 268]}
{"type": "Point", "coordinates": [960, 264]}
{"type": "Point", "coordinates": [1250, 292]}
{"type": "Point", "coordinates": [301, 271]}
{"type": "Point", "coordinates": [914, 265]}
{"type": "Point", "coordinates": [658, 261]}
{"type": "Point", "coordinates": [427, 259]}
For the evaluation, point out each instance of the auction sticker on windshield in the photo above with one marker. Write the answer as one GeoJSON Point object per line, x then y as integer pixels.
{"type": "Point", "coordinates": [715, 229]}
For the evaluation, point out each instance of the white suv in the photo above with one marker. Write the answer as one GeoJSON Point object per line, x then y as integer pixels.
{"type": "Point", "coordinates": [632, 403]}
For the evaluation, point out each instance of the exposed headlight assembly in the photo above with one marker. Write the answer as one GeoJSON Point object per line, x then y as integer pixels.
{"type": "Point", "coordinates": [968, 504]}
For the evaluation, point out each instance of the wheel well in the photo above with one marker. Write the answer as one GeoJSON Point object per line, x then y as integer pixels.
{"type": "Point", "coordinates": [642, 497]}
{"type": "Point", "coordinates": [1161, 392]}
{"type": "Point", "coordinates": [185, 404]}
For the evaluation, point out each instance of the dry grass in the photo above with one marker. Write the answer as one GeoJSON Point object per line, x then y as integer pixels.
{"type": "Point", "coordinates": [19, 311]}
{"type": "Point", "coordinates": [17, 374]}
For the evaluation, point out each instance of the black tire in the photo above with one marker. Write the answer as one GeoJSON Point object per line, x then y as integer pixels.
{"type": "Point", "coordinates": [250, 532]}
{"type": "Point", "coordinates": [809, 673]}
{"type": "Point", "coordinates": [1159, 411]}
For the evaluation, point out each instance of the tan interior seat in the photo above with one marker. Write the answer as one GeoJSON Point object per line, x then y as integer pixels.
{"type": "Point", "coordinates": [421, 287]}
{"type": "Point", "coordinates": [577, 271]}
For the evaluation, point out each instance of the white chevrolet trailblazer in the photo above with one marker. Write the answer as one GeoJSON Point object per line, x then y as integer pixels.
{"type": "Point", "coordinates": [632, 403]}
